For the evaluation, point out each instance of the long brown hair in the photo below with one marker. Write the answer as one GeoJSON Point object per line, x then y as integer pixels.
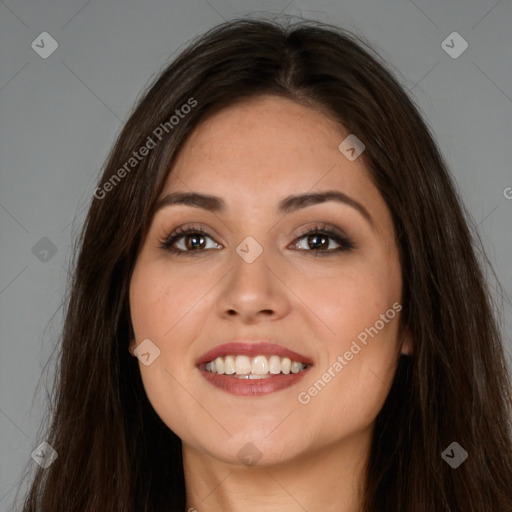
{"type": "Point", "coordinates": [116, 454]}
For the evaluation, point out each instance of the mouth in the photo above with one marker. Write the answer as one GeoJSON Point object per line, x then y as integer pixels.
{"type": "Point", "coordinates": [252, 369]}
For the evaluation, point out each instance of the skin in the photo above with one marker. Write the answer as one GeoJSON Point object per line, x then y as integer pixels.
{"type": "Point", "coordinates": [313, 455]}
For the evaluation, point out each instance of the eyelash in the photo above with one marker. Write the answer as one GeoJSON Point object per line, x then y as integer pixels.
{"type": "Point", "coordinates": [345, 244]}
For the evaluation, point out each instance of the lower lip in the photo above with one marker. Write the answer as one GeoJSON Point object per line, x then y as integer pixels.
{"type": "Point", "coordinates": [253, 387]}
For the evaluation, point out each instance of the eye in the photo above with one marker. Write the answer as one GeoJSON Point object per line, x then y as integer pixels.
{"type": "Point", "coordinates": [318, 239]}
{"type": "Point", "coordinates": [186, 240]}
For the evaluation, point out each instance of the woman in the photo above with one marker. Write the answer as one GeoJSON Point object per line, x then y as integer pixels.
{"type": "Point", "coordinates": [277, 302]}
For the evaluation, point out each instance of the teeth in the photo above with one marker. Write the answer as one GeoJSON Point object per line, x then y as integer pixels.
{"type": "Point", "coordinates": [274, 364]}
{"type": "Point", "coordinates": [252, 376]}
{"type": "Point", "coordinates": [295, 367]}
{"type": "Point", "coordinates": [219, 365]}
{"type": "Point", "coordinates": [256, 368]}
{"type": "Point", "coordinates": [242, 365]}
{"type": "Point", "coordinates": [259, 365]}
{"type": "Point", "coordinates": [229, 365]}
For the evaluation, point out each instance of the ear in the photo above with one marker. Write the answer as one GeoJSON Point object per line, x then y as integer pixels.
{"type": "Point", "coordinates": [407, 343]}
{"type": "Point", "coordinates": [131, 347]}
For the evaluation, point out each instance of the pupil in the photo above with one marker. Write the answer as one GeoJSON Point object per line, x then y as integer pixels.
{"type": "Point", "coordinates": [195, 237]}
{"type": "Point", "coordinates": [197, 240]}
{"type": "Point", "coordinates": [317, 237]}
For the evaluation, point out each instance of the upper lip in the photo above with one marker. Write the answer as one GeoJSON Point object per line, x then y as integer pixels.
{"type": "Point", "coordinates": [251, 349]}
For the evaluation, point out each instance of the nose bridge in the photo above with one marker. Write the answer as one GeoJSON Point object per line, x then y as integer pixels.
{"type": "Point", "coordinates": [251, 287]}
{"type": "Point", "coordinates": [251, 261]}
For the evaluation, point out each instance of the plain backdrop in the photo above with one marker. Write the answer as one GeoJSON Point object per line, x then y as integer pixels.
{"type": "Point", "coordinates": [61, 112]}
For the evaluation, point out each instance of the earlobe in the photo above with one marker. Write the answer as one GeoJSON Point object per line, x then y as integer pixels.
{"type": "Point", "coordinates": [407, 343]}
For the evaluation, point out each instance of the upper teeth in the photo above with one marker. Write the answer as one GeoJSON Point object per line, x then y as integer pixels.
{"type": "Point", "coordinates": [259, 365]}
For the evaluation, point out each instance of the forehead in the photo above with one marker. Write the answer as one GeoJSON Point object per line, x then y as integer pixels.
{"type": "Point", "coordinates": [267, 147]}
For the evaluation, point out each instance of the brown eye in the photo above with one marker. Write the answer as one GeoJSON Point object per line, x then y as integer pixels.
{"type": "Point", "coordinates": [188, 240]}
{"type": "Point", "coordinates": [318, 242]}
{"type": "Point", "coordinates": [194, 241]}
{"type": "Point", "coordinates": [319, 239]}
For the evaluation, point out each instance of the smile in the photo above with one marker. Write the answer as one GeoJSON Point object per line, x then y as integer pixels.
{"type": "Point", "coordinates": [259, 367]}
{"type": "Point", "coordinates": [252, 368]}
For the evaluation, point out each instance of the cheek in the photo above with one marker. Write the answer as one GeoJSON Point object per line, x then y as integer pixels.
{"type": "Point", "coordinates": [156, 310]}
{"type": "Point", "coordinates": [350, 389]}
{"type": "Point", "coordinates": [357, 307]}
{"type": "Point", "coordinates": [146, 294]}
{"type": "Point", "coordinates": [351, 300]}
{"type": "Point", "coordinates": [366, 325]}
{"type": "Point", "coordinates": [158, 298]}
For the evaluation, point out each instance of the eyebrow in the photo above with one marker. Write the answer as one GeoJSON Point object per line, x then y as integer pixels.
{"type": "Point", "coordinates": [287, 205]}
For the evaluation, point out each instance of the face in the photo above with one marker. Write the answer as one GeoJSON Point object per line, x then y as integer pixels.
{"type": "Point", "coordinates": [315, 281]}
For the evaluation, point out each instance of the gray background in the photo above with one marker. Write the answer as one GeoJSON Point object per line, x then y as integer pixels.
{"type": "Point", "coordinates": [60, 115]}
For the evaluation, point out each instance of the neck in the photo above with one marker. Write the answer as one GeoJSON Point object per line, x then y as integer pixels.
{"type": "Point", "coordinates": [327, 479]}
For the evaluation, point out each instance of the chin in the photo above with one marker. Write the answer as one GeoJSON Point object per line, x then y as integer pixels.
{"type": "Point", "coordinates": [253, 448]}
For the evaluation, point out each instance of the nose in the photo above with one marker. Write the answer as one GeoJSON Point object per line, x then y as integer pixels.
{"type": "Point", "coordinates": [254, 292]}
